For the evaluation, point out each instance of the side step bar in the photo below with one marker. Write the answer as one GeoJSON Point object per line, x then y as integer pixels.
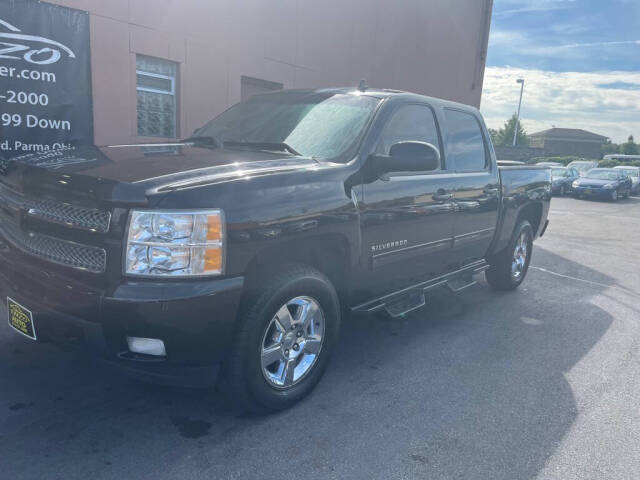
{"type": "Point", "coordinates": [405, 301]}
{"type": "Point", "coordinates": [458, 284]}
{"type": "Point", "coordinates": [406, 304]}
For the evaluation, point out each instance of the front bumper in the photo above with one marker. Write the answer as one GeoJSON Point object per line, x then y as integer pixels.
{"type": "Point", "coordinates": [195, 319]}
{"type": "Point", "coordinates": [592, 192]}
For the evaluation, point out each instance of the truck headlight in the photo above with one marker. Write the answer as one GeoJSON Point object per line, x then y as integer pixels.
{"type": "Point", "coordinates": [575, 184]}
{"type": "Point", "coordinates": [175, 243]}
{"type": "Point", "coordinates": [609, 185]}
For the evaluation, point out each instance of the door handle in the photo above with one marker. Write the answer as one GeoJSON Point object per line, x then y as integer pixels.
{"type": "Point", "coordinates": [442, 197]}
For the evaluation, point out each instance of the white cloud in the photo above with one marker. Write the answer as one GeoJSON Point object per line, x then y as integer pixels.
{"type": "Point", "coordinates": [519, 43]}
{"type": "Point", "coordinates": [530, 6]}
{"type": "Point", "coordinates": [568, 99]}
{"type": "Point", "coordinates": [601, 44]}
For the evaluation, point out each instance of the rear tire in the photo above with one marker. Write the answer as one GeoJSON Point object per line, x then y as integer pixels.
{"type": "Point", "coordinates": [276, 360]}
{"type": "Point", "coordinates": [509, 267]}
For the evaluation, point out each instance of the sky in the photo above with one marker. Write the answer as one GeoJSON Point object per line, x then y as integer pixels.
{"type": "Point", "coordinates": [580, 60]}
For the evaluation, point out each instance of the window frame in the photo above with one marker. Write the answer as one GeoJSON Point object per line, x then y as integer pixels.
{"type": "Point", "coordinates": [173, 93]}
{"type": "Point", "coordinates": [487, 154]}
{"type": "Point", "coordinates": [155, 90]}
{"type": "Point", "coordinates": [389, 117]}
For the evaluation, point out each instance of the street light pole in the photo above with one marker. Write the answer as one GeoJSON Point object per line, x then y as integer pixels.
{"type": "Point", "coordinates": [515, 131]}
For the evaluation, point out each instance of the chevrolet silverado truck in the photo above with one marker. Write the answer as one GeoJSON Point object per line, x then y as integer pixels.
{"type": "Point", "coordinates": [238, 250]}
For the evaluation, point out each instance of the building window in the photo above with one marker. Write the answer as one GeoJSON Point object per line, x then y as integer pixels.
{"type": "Point", "coordinates": [156, 95]}
{"type": "Point", "coordinates": [250, 86]}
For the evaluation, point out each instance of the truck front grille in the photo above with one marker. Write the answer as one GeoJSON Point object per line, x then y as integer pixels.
{"type": "Point", "coordinates": [58, 212]}
{"type": "Point", "coordinates": [15, 205]}
{"type": "Point", "coordinates": [78, 217]}
{"type": "Point", "coordinates": [62, 252]}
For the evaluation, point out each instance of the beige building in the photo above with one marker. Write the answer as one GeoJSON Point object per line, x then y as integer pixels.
{"type": "Point", "coordinates": [568, 142]}
{"type": "Point", "coordinates": [161, 68]}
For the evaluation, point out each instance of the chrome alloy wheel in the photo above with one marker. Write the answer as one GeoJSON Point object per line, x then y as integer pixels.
{"type": "Point", "coordinates": [520, 253]}
{"type": "Point", "coordinates": [292, 342]}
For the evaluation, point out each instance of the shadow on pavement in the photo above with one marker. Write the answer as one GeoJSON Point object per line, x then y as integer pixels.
{"type": "Point", "coordinates": [472, 386]}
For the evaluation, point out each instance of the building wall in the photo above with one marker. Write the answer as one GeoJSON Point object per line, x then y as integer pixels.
{"type": "Point", "coordinates": [518, 153]}
{"type": "Point", "coordinates": [586, 149]}
{"type": "Point", "coordinates": [434, 47]}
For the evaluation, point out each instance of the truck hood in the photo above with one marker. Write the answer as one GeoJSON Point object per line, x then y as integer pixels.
{"type": "Point", "coordinates": [129, 173]}
{"type": "Point", "coordinates": [594, 182]}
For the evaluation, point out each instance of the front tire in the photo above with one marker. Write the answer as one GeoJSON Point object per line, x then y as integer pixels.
{"type": "Point", "coordinates": [286, 332]}
{"type": "Point", "coordinates": [563, 191]}
{"type": "Point", "coordinates": [614, 196]}
{"type": "Point", "coordinates": [509, 268]}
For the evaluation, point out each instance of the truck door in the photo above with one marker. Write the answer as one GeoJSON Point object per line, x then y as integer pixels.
{"type": "Point", "coordinates": [406, 218]}
{"type": "Point", "coordinates": [477, 185]}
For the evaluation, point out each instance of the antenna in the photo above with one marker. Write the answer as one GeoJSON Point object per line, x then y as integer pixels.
{"type": "Point", "coordinates": [362, 86]}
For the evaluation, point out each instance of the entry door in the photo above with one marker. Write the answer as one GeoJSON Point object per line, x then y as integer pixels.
{"type": "Point", "coordinates": [407, 219]}
{"type": "Point", "coordinates": [477, 184]}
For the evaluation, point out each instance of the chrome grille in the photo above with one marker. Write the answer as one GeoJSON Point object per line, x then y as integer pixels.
{"type": "Point", "coordinates": [59, 212]}
{"type": "Point", "coordinates": [78, 217]}
{"type": "Point", "coordinates": [92, 259]}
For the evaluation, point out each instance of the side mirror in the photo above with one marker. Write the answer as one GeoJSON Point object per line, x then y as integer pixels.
{"type": "Point", "coordinates": [408, 157]}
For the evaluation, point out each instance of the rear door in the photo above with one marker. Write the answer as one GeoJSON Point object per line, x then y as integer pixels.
{"type": "Point", "coordinates": [407, 218]}
{"type": "Point", "coordinates": [477, 185]}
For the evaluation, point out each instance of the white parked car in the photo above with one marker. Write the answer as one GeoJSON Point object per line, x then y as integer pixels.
{"type": "Point", "coordinates": [634, 173]}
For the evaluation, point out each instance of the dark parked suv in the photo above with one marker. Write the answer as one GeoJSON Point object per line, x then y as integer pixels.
{"type": "Point", "coordinates": [241, 247]}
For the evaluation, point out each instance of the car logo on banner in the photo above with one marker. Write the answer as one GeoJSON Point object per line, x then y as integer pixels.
{"type": "Point", "coordinates": [32, 48]}
{"type": "Point", "coordinates": [45, 79]}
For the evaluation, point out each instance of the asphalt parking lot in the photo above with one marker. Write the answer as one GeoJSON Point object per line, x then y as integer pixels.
{"type": "Point", "coordinates": [543, 382]}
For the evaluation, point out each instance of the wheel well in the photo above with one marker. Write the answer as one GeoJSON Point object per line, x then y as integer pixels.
{"type": "Point", "coordinates": [533, 214]}
{"type": "Point", "coordinates": [329, 254]}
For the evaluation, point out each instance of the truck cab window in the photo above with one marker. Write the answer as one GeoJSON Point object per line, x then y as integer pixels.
{"type": "Point", "coordinates": [409, 123]}
{"type": "Point", "coordinates": [465, 144]}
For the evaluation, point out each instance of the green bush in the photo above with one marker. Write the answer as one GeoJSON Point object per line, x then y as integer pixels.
{"type": "Point", "coordinates": [563, 160]}
{"type": "Point", "coordinates": [615, 163]}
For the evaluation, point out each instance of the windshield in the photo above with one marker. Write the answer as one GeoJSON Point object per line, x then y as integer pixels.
{"type": "Point", "coordinates": [602, 174]}
{"type": "Point", "coordinates": [582, 166]}
{"type": "Point", "coordinates": [558, 172]}
{"type": "Point", "coordinates": [320, 125]}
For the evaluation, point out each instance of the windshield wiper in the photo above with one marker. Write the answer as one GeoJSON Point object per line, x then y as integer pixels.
{"type": "Point", "coordinates": [204, 140]}
{"type": "Point", "coordinates": [275, 146]}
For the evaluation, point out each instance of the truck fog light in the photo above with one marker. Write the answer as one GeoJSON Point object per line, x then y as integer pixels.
{"type": "Point", "coordinates": [147, 346]}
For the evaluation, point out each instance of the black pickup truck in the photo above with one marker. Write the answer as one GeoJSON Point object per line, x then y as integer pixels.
{"type": "Point", "coordinates": [241, 248]}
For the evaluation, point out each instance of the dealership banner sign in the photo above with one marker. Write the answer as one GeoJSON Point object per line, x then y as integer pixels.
{"type": "Point", "coordinates": [45, 78]}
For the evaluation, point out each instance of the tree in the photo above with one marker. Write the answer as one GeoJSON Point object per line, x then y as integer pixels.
{"type": "Point", "coordinates": [609, 148]}
{"type": "Point", "coordinates": [504, 136]}
{"type": "Point", "coordinates": [493, 133]}
{"type": "Point", "coordinates": [629, 148]}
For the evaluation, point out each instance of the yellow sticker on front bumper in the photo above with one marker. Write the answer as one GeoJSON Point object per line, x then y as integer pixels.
{"type": "Point", "coordinates": [21, 319]}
